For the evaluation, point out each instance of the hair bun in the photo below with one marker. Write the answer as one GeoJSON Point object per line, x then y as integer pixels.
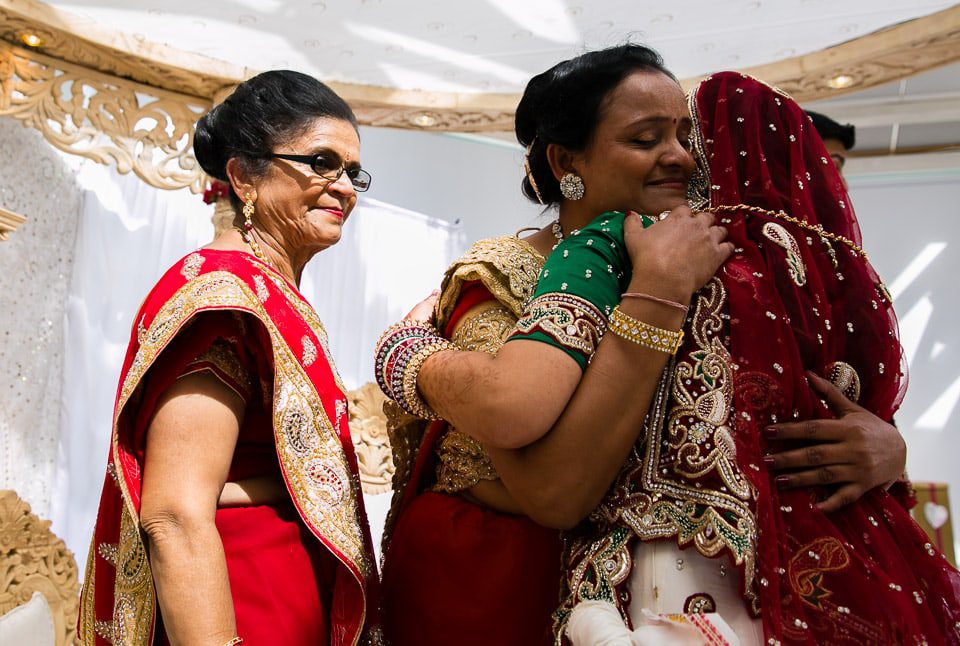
{"type": "Point", "coordinates": [208, 145]}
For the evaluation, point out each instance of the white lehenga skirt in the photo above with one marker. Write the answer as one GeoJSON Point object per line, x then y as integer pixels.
{"type": "Point", "coordinates": [678, 597]}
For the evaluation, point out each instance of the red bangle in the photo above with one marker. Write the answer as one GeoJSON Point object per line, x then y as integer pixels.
{"type": "Point", "coordinates": [656, 299]}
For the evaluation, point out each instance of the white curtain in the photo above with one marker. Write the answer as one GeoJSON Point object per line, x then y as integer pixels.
{"type": "Point", "coordinates": [76, 273]}
{"type": "Point", "coordinates": [35, 265]}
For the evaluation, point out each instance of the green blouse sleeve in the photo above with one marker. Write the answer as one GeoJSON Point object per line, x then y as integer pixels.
{"type": "Point", "coordinates": [579, 286]}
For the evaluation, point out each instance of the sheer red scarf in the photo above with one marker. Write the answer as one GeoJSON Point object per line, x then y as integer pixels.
{"type": "Point", "coordinates": [800, 295]}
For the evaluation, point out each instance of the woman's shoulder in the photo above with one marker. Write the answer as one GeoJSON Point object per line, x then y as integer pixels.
{"type": "Point", "coordinates": [506, 265]}
{"type": "Point", "coordinates": [205, 278]}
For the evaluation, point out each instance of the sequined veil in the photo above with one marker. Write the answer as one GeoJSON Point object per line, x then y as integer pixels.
{"type": "Point", "coordinates": [311, 437]}
{"type": "Point", "coordinates": [799, 294]}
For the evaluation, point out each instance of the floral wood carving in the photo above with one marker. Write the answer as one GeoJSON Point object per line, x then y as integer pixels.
{"type": "Point", "coordinates": [368, 428]}
{"type": "Point", "coordinates": [33, 559]}
{"type": "Point", "coordinates": [104, 118]}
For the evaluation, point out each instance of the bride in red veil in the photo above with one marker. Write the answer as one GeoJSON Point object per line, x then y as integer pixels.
{"type": "Point", "coordinates": [798, 301]}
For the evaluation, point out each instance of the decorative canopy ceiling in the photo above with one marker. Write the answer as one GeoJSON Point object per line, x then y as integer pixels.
{"type": "Point", "coordinates": [123, 81]}
{"type": "Point", "coordinates": [479, 46]}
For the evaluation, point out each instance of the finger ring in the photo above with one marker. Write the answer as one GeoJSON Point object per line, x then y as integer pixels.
{"type": "Point", "coordinates": [664, 214]}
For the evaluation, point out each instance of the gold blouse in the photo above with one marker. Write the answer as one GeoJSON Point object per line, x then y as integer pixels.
{"type": "Point", "coordinates": [508, 268]}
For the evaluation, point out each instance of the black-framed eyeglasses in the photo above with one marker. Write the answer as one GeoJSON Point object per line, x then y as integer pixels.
{"type": "Point", "coordinates": [330, 168]}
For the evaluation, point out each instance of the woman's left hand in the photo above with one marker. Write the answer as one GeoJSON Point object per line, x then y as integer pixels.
{"type": "Point", "coordinates": [855, 452]}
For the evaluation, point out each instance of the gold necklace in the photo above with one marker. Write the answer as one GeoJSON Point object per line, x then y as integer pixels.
{"type": "Point", "coordinates": [803, 224]}
{"type": "Point", "coordinates": [254, 246]}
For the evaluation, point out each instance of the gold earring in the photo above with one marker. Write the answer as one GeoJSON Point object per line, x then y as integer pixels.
{"type": "Point", "coordinates": [248, 212]}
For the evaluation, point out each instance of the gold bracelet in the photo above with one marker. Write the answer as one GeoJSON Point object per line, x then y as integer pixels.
{"type": "Point", "coordinates": [644, 334]}
{"type": "Point", "coordinates": [234, 642]}
{"type": "Point", "coordinates": [409, 398]}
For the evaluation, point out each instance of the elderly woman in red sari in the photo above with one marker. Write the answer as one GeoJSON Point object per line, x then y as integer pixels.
{"type": "Point", "coordinates": [228, 380]}
{"type": "Point", "coordinates": [632, 153]}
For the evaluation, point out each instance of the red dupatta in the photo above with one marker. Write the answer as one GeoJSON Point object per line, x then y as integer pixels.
{"type": "Point", "coordinates": [801, 295]}
{"type": "Point", "coordinates": [797, 295]}
{"type": "Point", "coordinates": [311, 434]}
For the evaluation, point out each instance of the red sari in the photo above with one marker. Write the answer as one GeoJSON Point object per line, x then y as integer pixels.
{"type": "Point", "coordinates": [455, 572]}
{"type": "Point", "coordinates": [301, 572]}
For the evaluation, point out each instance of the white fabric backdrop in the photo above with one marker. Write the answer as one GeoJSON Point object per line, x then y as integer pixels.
{"type": "Point", "coordinates": [35, 264]}
{"type": "Point", "coordinates": [77, 272]}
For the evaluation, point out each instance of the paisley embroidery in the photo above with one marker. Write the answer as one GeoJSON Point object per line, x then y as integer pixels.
{"type": "Point", "coordinates": [808, 565]}
{"type": "Point", "coordinates": [778, 234]}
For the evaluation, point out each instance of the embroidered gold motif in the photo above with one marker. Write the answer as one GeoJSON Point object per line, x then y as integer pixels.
{"type": "Point", "coordinates": [309, 351]}
{"type": "Point", "coordinates": [141, 330]}
{"type": "Point", "coordinates": [135, 596]}
{"type": "Point", "coordinates": [108, 552]}
{"type": "Point", "coordinates": [778, 234]}
{"type": "Point", "coordinates": [104, 630]}
{"type": "Point", "coordinates": [845, 378]}
{"type": "Point", "coordinates": [485, 331]}
{"type": "Point", "coordinates": [699, 604]}
{"type": "Point", "coordinates": [594, 570]}
{"type": "Point", "coordinates": [571, 321]}
{"type": "Point", "coordinates": [191, 266]}
{"type": "Point", "coordinates": [261, 288]}
{"type": "Point", "coordinates": [462, 463]}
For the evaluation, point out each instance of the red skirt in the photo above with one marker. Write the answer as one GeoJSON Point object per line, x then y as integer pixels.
{"type": "Point", "coordinates": [281, 578]}
{"type": "Point", "coordinates": [457, 573]}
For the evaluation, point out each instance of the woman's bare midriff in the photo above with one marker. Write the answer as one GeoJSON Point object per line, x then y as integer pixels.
{"type": "Point", "coordinates": [263, 490]}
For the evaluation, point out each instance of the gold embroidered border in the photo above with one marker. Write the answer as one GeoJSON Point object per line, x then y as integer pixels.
{"type": "Point", "coordinates": [699, 416]}
{"type": "Point", "coordinates": [486, 330]}
{"type": "Point", "coordinates": [308, 445]}
{"type": "Point", "coordinates": [571, 321]}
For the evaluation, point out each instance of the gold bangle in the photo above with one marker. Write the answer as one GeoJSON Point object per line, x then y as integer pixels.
{"type": "Point", "coordinates": [644, 334]}
{"type": "Point", "coordinates": [410, 399]}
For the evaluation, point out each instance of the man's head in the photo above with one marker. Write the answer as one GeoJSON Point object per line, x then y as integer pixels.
{"type": "Point", "coordinates": [837, 138]}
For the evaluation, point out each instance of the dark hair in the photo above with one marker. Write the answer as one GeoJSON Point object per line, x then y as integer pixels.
{"type": "Point", "coordinates": [830, 129]}
{"type": "Point", "coordinates": [563, 106]}
{"type": "Point", "coordinates": [262, 113]}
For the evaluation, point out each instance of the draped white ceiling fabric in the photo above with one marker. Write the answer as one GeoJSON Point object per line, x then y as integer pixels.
{"type": "Point", "coordinates": [76, 273]}
{"type": "Point", "coordinates": [488, 45]}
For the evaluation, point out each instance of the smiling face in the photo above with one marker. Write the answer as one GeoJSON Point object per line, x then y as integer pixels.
{"type": "Point", "coordinates": [298, 208]}
{"type": "Point", "coordinates": [639, 157]}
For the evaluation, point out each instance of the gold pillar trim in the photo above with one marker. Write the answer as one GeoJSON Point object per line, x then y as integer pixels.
{"type": "Point", "coordinates": [368, 428]}
{"type": "Point", "coordinates": [33, 559]}
{"type": "Point", "coordinates": [9, 221]}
